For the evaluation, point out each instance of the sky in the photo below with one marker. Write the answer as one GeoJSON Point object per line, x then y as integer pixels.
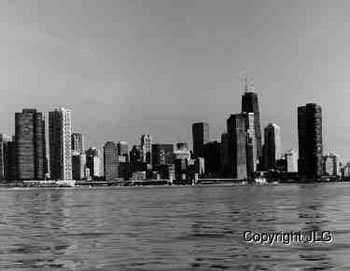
{"type": "Point", "coordinates": [132, 67]}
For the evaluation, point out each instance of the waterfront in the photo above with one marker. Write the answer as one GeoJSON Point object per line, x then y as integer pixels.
{"type": "Point", "coordinates": [169, 227]}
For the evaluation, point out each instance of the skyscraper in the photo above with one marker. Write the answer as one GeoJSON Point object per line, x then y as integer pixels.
{"type": "Point", "coordinates": [60, 139]}
{"type": "Point", "coordinates": [251, 148]}
{"type": "Point", "coordinates": [93, 161]}
{"type": "Point", "coordinates": [30, 145]}
{"type": "Point", "coordinates": [292, 161]}
{"type": "Point", "coordinates": [111, 163]}
{"type": "Point", "coordinates": [234, 147]}
{"type": "Point", "coordinates": [250, 105]}
{"type": "Point", "coordinates": [123, 149]}
{"type": "Point", "coordinates": [146, 148]}
{"type": "Point", "coordinates": [200, 136]}
{"type": "Point", "coordinates": [4, 157]}
{"type": "Point", "coordinates": [272, 147]}
{"type": "Point", "coordinates": [162, 154]}
{"type": "Point", "coordinates": [78, 142]}
{"type": "Point", "coordinates": [310, 141]}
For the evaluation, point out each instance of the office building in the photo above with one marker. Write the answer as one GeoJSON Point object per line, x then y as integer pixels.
{"type": "Point", "coordinates": [272, 146]}
{"type": "Point", "coordinates": [234, 147]}
{"type": "Point", "coordinates": [78, 142]}
{"type": "Point", "coordinates": [251, 147]}
{"type": "Point", "coordinates": [79, 166]}
{"type": "Point", "coordinates": [331, 164]}
{"type": "Point", "coordinates": [162, 154]}
{"type": "Point", "coordinates": [211, 153]}
{"type": "Point", "coordinates": [93, 156]}
{"type": "Point", "coordinates": [310, 141]}
{"type": "Point", "coordinates": [30, 145]}
{"type": "Point", "coordinates": [4, 157]}
{"type": "Point", "coordinates": [111, 163]}
{"type": "Point", "coordinates": [146, 148]}
{"type": "Point", "coordinates": [182, 151]}
{"type": "Point", "coordinates": [60, 141]}
{"type": "Point", "coordinates": [200, 136]}
{"type": "Point", "coordinates": [292, 161]}
{"type": "Point", "coordinates": [250, 104]}
{"type": "Point", "coordinates": [123, 149]}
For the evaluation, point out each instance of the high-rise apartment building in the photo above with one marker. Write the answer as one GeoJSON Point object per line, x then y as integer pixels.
{"type": "Point", "coordinates": [272, 146]}
{"type": "Point", "coordinates": [78, 142]}
{"type": "Point", "coordinates": [30, 145]}
{"type": "Point", "coordinates": [146, 148]}
{"type": "Point", "coordinates": [111, 162]}
{"type": "Point", "coordinates": [310, 141]}
{"type": "Point", "coordinates": [60, 140]}
{"type": "Point", "coordinates": [331, 164]}
{"type": "Point", "coordinates": [200, 136]}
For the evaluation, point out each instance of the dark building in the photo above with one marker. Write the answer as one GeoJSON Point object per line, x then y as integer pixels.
{"type": "Point", "coordinates": [234, 147]}
{"type": "Point", "coordinates": [162, 154]}
{"type": "Point", "coordinates": [77, 142]}
{"type": "Point", "coordinates": [30, 145]}
{"type": "Point", "coordinates": [93, 162]}
{"type": "Point", "coordinates": [200, 136]}
{"type": "Point", "coordinates": [123, 149]}
{"type": "Point", "coordinates": [211, 153]}
{"type": "Point", "coordinates": [111, 162]}
{"type": "Point", "coordinates": [310, 141]}
{"type": "Point", "coordinates": [135, 154]}
{"type": "Point", "coordinates": [4, 157]}
{"type": "Point", "coordinates": [250, 105]}
{"type": "Point", "coordinates": [12, 165]}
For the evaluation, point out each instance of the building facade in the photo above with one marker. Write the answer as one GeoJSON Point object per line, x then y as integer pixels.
{"type": "Point", "coordinates": [292, 161]}
{"type": "Point", "coordinates": [331, 164]}
{"type": "Point", "coordinates": [60, 140]}
{"type": "Point", "coordinates": [200, 136]}
{"type": "Point", "coordinates": [310, 141]}
{"type": "Point", "coordinates": [146, 148]}
{"type": "Point", "coordinates": [111, 162]}
{"type": "Point", "coordinates": [30, 145]}
{"type": "Point", "coordinates": [250, 104]}
{"type": "Point", "coordinates": [234, 147]}
{"type": "Point", "coordinates": [78, 142]}
{"type": "Point", "coordinates": [4, 157]}
{"type": "Point", "coordinates": [162, 154]}
{"type": "Point", "coordinates": [272, 146]}
{"type": "Point", "coordinates": [251, 146]}
{"type": "Point", "coordinates": [123, 149]}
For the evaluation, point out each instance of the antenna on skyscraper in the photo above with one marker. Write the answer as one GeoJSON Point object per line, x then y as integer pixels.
{"type": "Point", "coordinates": [244, 81]}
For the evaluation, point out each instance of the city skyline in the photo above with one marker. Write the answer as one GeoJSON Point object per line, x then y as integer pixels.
{"type": "Point", "coordinates": [119, 75]}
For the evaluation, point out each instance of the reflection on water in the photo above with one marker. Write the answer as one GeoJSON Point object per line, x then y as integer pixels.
{"type": "Point", "coordinates": [166, 228]}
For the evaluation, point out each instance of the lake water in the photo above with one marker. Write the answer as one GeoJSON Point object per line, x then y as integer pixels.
{"type": "Point", "coordinates": [172, 228]}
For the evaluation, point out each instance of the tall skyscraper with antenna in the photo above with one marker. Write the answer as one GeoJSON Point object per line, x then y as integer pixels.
{"type": "Point", "coordinates": [250, 104]}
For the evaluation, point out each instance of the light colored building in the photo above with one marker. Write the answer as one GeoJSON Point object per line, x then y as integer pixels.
{"type": "Point", "coordinates": [111, 163]}
{"type": "Point", "coordinates": [272, 146]}
{"type": "Point", "coordinates": [146, 148]}
{"type": "Point", "coordinates": [78, 142]}
{"type": "Point", "coordinates": [182, 151]}
{"type": "Point", "coordinates": [93, 160]}
{"type": "Point", "coordinates": [60, 141]}
{"type": "Point", "coordinates": [292, 161]}
{"type": "Point", "coordinates": [331, 164]}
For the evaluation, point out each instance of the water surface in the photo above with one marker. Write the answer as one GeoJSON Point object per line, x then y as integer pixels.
{"type": "Point", "coordinates": [172, 228]}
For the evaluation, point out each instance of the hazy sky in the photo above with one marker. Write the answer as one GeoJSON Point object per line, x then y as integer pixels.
{"type": "Point", "coordinates": [155, 66]}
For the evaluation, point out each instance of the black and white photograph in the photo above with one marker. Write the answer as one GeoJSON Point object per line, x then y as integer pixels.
{"type": "Point", "coordinates": [145, 135]}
